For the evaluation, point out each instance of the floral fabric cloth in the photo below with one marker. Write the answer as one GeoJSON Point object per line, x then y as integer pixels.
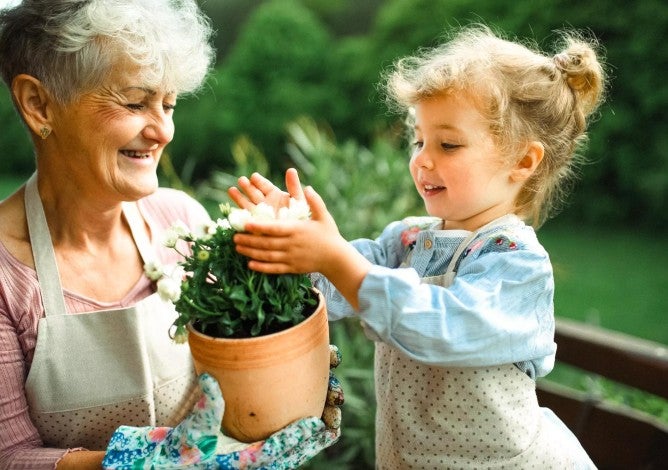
{"type": "Point", "coordinates": [197, 443]}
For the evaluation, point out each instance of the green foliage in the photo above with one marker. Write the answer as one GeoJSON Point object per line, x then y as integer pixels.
{"type": "Point", "coordinates": [355, 450]}
{"type": "Point", "coordinates": [275, 72]}
{"type": "Point", "coordinates": [15, 145]}
{"type": "Point", "coordinates": [223, 298]}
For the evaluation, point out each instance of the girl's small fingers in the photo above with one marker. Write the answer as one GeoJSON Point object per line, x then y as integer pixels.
{"type": "Point", "coordinates": [253, 193]}
{"type": "Point", "coordinates": [262, 254]}
{"type": "Point", "coordinates": [315, 202]}
{"type": "Point", "coordinates": [293, 184]}
{"type": "Point", "coordinates": [275, 228]}
{"type": "Point", "coordinates": [269, 268]}
{"type": "Point", "coordinates": [239, 198]}
{"type": "Point", "coordinates": [247, 241]}
{"type": "Point", "coordinates": [262, 184]}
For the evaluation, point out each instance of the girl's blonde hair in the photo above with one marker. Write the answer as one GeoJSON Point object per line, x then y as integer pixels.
{"type": "Point", "coordinates": [525, 94]}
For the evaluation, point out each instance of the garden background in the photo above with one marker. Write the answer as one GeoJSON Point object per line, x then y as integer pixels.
{"type": "Point", "coordinates": [296, 84]}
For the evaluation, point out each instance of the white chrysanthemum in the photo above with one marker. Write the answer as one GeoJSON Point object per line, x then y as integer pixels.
{"type": "Point", "coordinates": [225, 208]}
{"type": "Point", "coordinates": [174, 233]}
{"type": "Point", "coordinates": [169, 289]}
{"type": "Point", "coordinates": [181, 229]}
{"type": "Point", "coordinates": [205, 231]}
{"type": "Point", "coordinates": [224, 224]}
{"type": "Point", "coordinates": [170, 237]}
{"type": "Point", "coordinates": [263, 211]}
{"type": "Point", "coordinates": [153, 270]}
{"type": "Point", "coordinates": [238, 219]}
{"type": "Point", "coordinates": [176, 272]}
{"type": "Point", "coordinates": [297, 210]}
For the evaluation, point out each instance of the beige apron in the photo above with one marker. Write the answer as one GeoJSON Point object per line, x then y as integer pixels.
{"type": "Point", "coordinates": [95, 371]}
{"type": "Point", "coordinates": [464, 417]}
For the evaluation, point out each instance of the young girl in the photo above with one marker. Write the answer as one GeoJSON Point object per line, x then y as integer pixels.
{"type": "Point", "coordinates": [460, 304]}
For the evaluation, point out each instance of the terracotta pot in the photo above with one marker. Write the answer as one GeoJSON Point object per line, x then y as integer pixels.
{"type": "Point", "coordinates": [268, 381]}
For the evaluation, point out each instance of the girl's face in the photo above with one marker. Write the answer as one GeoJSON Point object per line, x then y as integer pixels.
{"type": "Point", "coordinates": [456, 165]}
{"type": "Point", "coordinates": [109, 141]}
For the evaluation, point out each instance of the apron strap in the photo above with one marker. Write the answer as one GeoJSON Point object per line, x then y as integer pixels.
{"type": "Point", "coordinates": [136, 222]}
{"type": "Point", "coordinates": [448, 276]}
{"type": "Point", "coordinates": [46, 267]}
{"type": "Point", "coordinates": [42, 251]}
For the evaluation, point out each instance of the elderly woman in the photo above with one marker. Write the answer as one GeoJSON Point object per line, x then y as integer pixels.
{"type": "Point", "coordinates": [83, 348]}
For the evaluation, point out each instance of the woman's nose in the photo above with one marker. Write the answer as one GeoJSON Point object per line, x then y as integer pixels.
{"type": "Point", "coordinates": [159, 128]}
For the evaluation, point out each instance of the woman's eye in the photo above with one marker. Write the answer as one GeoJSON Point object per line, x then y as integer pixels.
{"type": "Point", "coordinates": [135, 106]}
{"type": "Point", "coordinates": [168, 106]}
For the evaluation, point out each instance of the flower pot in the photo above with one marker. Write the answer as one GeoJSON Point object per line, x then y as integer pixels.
{"type": "Point", "coordinates": [268, 381]}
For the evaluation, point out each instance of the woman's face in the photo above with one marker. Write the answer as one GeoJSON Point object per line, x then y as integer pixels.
{"type": "Point", "coordinates": [456, 165]}
{"type": "Point", "coordinates": [109, 141]}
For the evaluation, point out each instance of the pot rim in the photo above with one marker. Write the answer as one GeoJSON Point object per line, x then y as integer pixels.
{"type": "Point", "coordinates": [311, 318]}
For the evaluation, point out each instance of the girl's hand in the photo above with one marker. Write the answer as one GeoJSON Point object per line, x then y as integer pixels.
{"type": "Point", "coordinates": [305, 246]}
{"type": "Point", "coordinates": [257, 189]}
{"type": "Point", "coordinates": [292, 246]}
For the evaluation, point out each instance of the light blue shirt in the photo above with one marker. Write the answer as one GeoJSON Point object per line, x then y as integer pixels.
{"type": "Point", "coordinates": [498, 310]}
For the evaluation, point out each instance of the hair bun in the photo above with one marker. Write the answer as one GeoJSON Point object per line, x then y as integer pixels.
{"type": "Point", "coordinates": [583, 72]}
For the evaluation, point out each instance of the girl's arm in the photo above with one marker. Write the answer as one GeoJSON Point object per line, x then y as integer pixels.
{"type": "Point", "coordinates": [497, 311]}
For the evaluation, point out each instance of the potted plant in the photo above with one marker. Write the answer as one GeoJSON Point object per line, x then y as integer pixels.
{"type": "Point", "coordinates": [264, 337]}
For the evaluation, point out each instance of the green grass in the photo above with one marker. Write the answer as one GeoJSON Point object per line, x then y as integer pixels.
{"type": "Point", "coordinates": [616, 279]}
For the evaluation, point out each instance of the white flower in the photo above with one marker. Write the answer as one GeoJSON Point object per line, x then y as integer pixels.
{"type": "Point", "coordinates": [180, 335]}
{"type": "Point", "coordinates": [297, 210]}
{"type": "Point", "coordinates": [224, 224]}
{"type": "Point", "coordinates": [205, 231]}
{"type": "Point", "coordinates": [176, 232]}
{"type": "Point", "coordinates": [170, 238]}
{"type": "Point", "coordinates": [181, 229]}
{"type": "Point", "coordinates": [176, 272]}
{"type": "Point", "coordinates": [238, 219]}
{"type": "Point", "coordinates": [169, 289]}
{"type": "Point", "coordinates": [225, 208]}
{"type": "Point", "coordinates": [153, 270]}
{"type": "Point", "coordinates": [263, 211]}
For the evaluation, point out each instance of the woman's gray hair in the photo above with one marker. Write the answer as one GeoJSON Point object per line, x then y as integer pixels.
{"type": "Point", "coordinates": [72, 45]}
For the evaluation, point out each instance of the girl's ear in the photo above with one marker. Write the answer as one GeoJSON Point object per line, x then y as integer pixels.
{"type": "Point", "coordinates": [32, 101]}
{"type": "Point", "coordinates": [526, 165]}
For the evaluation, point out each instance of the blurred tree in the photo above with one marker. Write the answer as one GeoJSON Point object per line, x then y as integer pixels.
{"type": "Point", "coordinates": [228, 17]}
{"type": "Point", "coordinates": [15, 146]}
{"type": "Point", "coordinates": [276, 71]}
{"type": "Point", "coordinates": [345, 17]}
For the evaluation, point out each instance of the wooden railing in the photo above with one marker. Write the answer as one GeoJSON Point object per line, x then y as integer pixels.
{"type": "Point", "coordinates": [615, 436]}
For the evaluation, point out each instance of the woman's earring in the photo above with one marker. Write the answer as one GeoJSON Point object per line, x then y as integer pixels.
{"type": "Point", "coordinates": [44, 132]}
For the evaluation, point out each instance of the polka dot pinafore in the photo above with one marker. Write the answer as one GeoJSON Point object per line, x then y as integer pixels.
{"type": "Point", "coordinates": [464, 417]}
